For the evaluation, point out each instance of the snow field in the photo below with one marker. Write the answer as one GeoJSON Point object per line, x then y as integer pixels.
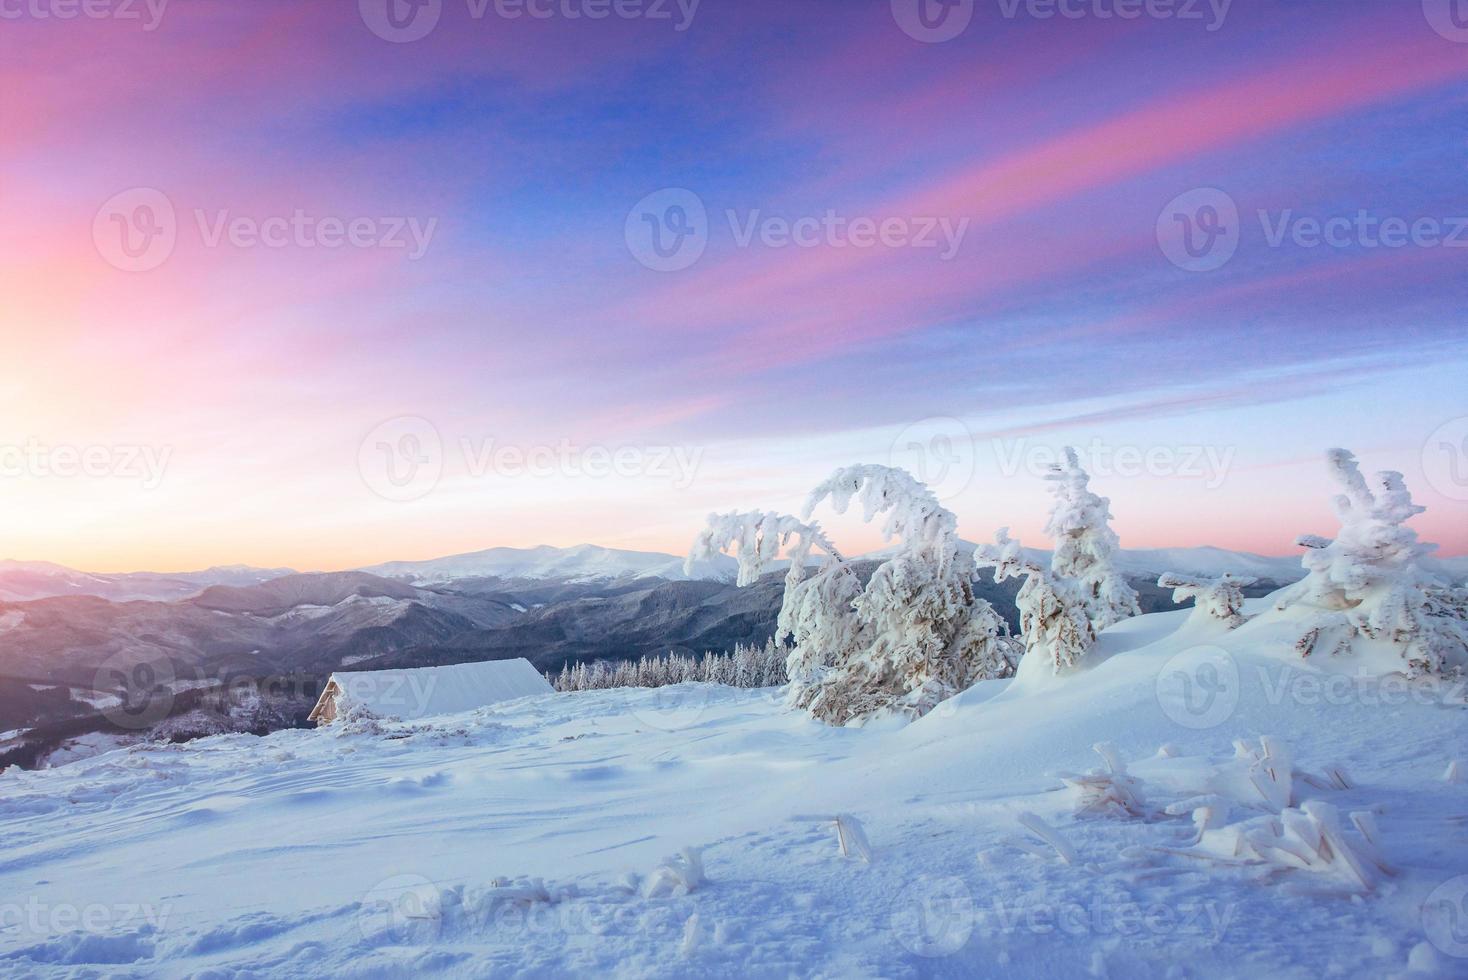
{"type": "Point", "coordinates": [564, 835]}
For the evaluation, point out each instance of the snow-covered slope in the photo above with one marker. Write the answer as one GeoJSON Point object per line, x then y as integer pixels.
{"type": "Point", "coordinates": [580, 563]}
{"type": "Point", "coordinates": [1211, 562]}
{"type": "Point", "coordinates": [525, 839]}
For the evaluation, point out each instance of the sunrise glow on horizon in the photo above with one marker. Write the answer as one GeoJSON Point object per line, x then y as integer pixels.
{"type": "Point", "coordinates": [352, 295]}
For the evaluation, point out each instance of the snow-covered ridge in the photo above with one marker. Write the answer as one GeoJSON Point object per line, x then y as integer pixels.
{"type": "Point", "coordinates": [585, 562]}
{"type": "Point", "coordinates": [22, 581]}
{"type": "Point", "coordinates": [592, 562]}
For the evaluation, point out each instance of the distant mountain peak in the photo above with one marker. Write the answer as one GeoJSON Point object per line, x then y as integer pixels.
{"type": "Point", "coordinates": [22, 581]}
{"type": "Point", "coordinates": [582, 562]}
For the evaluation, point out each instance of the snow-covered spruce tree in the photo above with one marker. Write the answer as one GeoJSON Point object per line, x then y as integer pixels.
{"type": "Point", "coordinates": [913, 636]}
{"type": "Point", "coordinates": [930, 635]}
{"type": "Point", "coordinates": [1221, 598]}
{"type": "Point", "coordinates": [1369, 580]}
{"type": "Point", "coordinates": [772, 663]}
{"type": "Point", "coordinates": [1085, 545]}
{"type": "Point", "coordinates": [1054, 619]}
{"type": "Point", "coordinates": [817, 614]}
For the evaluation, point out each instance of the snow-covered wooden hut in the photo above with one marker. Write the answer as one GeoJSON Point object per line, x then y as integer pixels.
{"type": "Point", "coordinates": [420, 692]}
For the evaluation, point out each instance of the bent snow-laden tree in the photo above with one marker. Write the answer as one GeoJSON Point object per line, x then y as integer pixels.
{"type": "Point", "coordinates": [931, 636]}
{"type": "Point", "coordinates": [1086, 546]}
{"type": "Point", "coordinates": [817, 614]}
{"type": "Point", "coordinates": [1369, 581]}
{"type": "Point", "coordinates": [1053, 615]}
{"type": "Point", "coordinates": [1221, 598]}
{"type": "Point", "coordinates": [913, 636]}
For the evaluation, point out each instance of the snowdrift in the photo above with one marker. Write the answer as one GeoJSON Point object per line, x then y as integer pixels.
{"type": "Point", "coordinates": [1193, 802]}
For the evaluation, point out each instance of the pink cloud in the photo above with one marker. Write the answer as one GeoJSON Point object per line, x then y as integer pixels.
{"type": "Point", "coordinates": [1263, 101]}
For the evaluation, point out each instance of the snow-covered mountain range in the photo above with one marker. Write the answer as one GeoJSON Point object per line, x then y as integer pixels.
{"type": "Point", "coordinates": [589, 563]}
{"type": "Point", "coordinates": [584, 562]}
{"type": "Point", "coordinates": [24, 581]}
{"type": "Point", "coordinates": [21, 581]}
